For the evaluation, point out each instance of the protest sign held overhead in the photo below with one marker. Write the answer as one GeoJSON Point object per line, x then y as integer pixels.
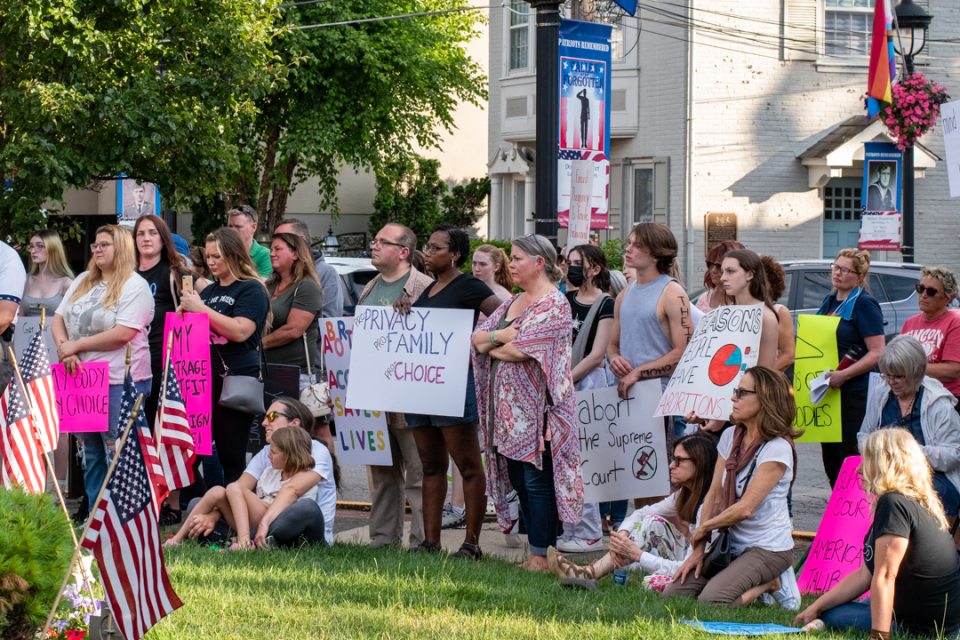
{"type": "Point", "coordinates": [816, 352]}
{"type": "Point", "coordinates": [83, 400]}
{"type": "Point", "coordinates": [623, 450]}
{"type": "Point", "coordinates": [191, 361]}
{"type": "Point", "coordinates": [414, 363]}
{"type": "Point", "coordinates": [725, 344]}
{"type": "Point", "coordinates": [362, 436]}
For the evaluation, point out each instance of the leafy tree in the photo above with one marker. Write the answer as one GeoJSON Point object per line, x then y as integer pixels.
{"type": "Point", "coordinates": [409, 189]}
{"type": "Point", "coordinates": [462, 206]}
{"type": "Point", "coordinates": [356, 94]}
{"type": "Point", "coordinates": [208, 215]}
{"type": "Point", "coordinates": [91, 89]}
{"type": "Point", "coordinates": [614, 250]}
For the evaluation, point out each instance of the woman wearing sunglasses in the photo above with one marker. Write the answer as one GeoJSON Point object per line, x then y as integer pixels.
{"type": "Point", "coordinates": [715, 296]}
{"type": "Point", "coordinates": [917, 402]}
{"type": "Point", "coordinates": [755, 469]}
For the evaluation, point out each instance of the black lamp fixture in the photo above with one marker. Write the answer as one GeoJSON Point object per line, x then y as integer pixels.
{"type": "Point", "coordinates": [912, 21]}
{"type": "Point", "coordinates": [331, 246]}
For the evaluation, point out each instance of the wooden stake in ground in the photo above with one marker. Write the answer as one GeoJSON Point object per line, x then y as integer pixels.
{"type": "Point", "coordinates": [93, 507]}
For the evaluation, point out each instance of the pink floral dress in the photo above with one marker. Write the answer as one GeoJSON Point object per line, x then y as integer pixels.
{"type": "Point", "coordinates": [521, 389]}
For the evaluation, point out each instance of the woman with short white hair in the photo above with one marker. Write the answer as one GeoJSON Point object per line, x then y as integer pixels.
{"type": "Point", "coordinates": [909, 398]}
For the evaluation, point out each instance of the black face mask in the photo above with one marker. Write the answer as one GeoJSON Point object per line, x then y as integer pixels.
{"type": "Point", "coordinates": [575, 275]}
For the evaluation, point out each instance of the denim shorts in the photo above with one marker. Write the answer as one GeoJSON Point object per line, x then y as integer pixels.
{"type": "Point", "coordinates": [469, 410]}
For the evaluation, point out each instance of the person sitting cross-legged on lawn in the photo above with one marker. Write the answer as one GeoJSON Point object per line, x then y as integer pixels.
{"type": "Point", "coordinates": [653, 539]}
{"type": "Point", "coordinates": [289, 520]}
{"type": "Point", "coordinates": [289, 455]}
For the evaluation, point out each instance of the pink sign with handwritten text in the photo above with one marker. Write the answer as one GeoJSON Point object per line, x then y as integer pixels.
{"type": "Point", "coordinates": [837, 549]}
{"type": "Point", "coordinates": [83, 399]}
{"type": "Point", "coordinates": [191, 361]}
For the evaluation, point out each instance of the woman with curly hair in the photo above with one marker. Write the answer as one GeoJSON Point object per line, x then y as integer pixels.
{"type": "Point", "coordinates": [786, 339]}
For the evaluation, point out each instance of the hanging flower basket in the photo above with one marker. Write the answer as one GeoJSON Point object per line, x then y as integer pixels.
{"type": "Point", "coordinates": [914, 109]}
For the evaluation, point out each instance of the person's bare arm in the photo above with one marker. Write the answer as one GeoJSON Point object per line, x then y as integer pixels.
{"type": "Point", "coordinates": [875, 346]}
{"type": "Point", "coordinates": [594, 359]}
{"type": "Point", "coordinates": [297, 323]}
{"type": "Point", "coordinates": [618, 364]}
{"type": "Point", "coordinates": [491, 304]}
{"type": "Point", "coordinates": [203, 523]}
{"type": "Point", "coordinates": [58, 329]}
{"type": "Point", "coordinates": [509, 353]}
{"type": "Point", "coordinates": [290, 493]}
{"type": "Point", "coordinates": [945, 372]}
{"type": "Point", "coordinates": [889, 551]}
{"type": "Point", "coordinates": [676, 307]}
{"type": "Point", "coordinates": [769, 336]}
{"type": "Point", "coordinates": [8, 311]}
{"type": "Point", "coordinates": [764, 480]}
{"type": "Point", "coordinates": [233, 329]}
{"type": "Point", "coordinates": [112, 339]}
{"type": "Point", "coordinates": [481, 339]}
{"type": "Point", "coordinates": [847, 590]}
{"type": "Point", "coordinates": [786, 341]}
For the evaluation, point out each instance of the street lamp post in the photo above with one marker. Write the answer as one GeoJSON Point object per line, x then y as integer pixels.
{"type": "Point", "coordinates": [912, 23]}
{"type": "Point", "coordinates": [548, 117]}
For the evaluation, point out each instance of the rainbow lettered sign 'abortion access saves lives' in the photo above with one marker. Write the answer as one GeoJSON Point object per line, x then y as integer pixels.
{"type": "Point", "coordinates": [362, 436]}
{"type": "Point", "coordinates": [413, 363]}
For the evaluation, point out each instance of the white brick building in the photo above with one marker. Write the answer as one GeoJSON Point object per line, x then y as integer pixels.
{"type": "Point", "coordinates": [772, 82]}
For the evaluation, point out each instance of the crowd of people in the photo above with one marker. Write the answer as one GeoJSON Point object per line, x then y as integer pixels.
{"type": "Point", "coordinates": [546, 325]}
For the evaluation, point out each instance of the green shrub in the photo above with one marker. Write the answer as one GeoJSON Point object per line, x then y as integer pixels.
{"type": "Point", "coordinates": [35, 549]}
{"type": "Point", "coordinates": [614, 250]}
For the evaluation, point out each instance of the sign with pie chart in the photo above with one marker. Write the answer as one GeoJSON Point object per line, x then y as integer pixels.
{"type": "Point", "coordinates": [725, 365]}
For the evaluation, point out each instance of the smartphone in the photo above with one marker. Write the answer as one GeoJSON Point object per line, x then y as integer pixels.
{"type": "Point", "coordinates": [187, 283]}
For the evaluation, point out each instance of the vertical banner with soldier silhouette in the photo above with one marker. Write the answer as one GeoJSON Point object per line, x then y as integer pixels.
{"type": "Point", "coordinates": [584, 116]}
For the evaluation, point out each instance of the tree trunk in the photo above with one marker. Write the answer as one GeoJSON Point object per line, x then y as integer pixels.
{"type": "Point", "coordinates": [270, 159]}
{"type": "Point", "coordinates": [278, 204]}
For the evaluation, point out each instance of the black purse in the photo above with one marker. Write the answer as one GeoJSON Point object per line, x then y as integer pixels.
{"type": "Point", "coordinates": [719, 553]}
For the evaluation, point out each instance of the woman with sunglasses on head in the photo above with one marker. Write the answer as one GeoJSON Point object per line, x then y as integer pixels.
{"type": "Point", "coordinates": [860, 335]}
{"type": "Point", "coordinates": [526, 401]}
{"type": "Point", "coordinates": [48, 277]}
{"type": "Point", "coordinates": [938, 329]}
{"type": "Point", "coordinates": [106, 308]}
{"type": "Point", "coordinates": [909, 398]}
{"type": "Point", "coordinates": [756, 466]}
{"type": "Point", "coordinates": [440, 437]}
{"type": "Point", "coordinates": [715, 296]}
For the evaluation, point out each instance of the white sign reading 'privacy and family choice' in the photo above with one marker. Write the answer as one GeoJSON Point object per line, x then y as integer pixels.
{"type": "Point", "coordinates": [725, 344]}
{"type": "Point", "coordinates": [413, 363]}
{"type": "Point", "coordinates": [362, 436]}
{"type": "Point", "coordinates": [623, 450]}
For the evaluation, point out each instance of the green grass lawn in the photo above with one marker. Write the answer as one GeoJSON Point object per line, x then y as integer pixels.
{"type": "Point", "coordinates": [357, 592]}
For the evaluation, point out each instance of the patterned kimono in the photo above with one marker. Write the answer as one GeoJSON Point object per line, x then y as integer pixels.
{"type": "Point", "coordinates": [515, 431]}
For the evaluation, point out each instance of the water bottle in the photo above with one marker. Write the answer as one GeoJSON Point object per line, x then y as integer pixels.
{"type": "Point", "coordinates": [850, 357]}
{"type": "Point", "coordinates": [816, 625]}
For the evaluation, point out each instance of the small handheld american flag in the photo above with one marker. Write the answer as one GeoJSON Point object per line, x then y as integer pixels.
{"type": "Point", "coordinates": [176, 448]}
{"type": "Point", "coordinates": [22, 463]}
{"type": "Point", "coordinates": [38, 378]}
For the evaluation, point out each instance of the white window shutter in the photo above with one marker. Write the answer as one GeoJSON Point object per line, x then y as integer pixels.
{"type": "Point", "coordinates": [661, 190]}
{"type": "Point", "coordinates": [801, 29]}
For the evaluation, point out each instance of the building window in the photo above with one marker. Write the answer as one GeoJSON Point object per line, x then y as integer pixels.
{"type": "Point", "coordinates": [848, 25]}
{"type": "Point", "coordinates": [519, 35]}
{"type": "Point", "coordinates": [642, 195]}
{"type": "Point", "coordinates": [841, 203]}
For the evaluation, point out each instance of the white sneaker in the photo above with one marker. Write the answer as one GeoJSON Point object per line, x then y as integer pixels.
{"type": "Point", "coordinates": [491, 510]}
{"type": "Point", "coordinates": [511, 538]}
{"type": "Point", "coordinates": [579, 545]}
{"type": "Point", "coordinates": [451, 519]}
{"type": "Point", "coordinates": [788, 595]}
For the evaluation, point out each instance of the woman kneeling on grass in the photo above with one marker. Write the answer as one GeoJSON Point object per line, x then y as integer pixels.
{"type": "Point", "coordinates": [290, 456]}
{"type": "Point", "coordinates": [653, 539]}
{"type": "Point", "coordinates": [910, 564]}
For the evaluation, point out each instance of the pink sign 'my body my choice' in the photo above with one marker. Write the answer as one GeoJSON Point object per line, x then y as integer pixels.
{"type": "Point", "coordinates": [191, 362]}
{"type": "Point", "coordinates": [837, 549]}
{"type": "Point", "coordinates": [83, 400]}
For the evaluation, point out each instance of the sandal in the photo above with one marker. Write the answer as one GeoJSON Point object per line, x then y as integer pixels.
{"type": "Point", "coordinates": [426, 547]}
{"type": "Point", "coordinates": [469, 551]}
{"type": "Point", "coordinates": [553, 562]}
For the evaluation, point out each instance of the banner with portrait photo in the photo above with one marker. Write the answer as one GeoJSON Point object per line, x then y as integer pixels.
{"type": "Point", "coordinates": [880, 208]}
{"type": "Point", "coordinates": [135, 200]}
{"type": "Point", "coordinates": [584, 116]}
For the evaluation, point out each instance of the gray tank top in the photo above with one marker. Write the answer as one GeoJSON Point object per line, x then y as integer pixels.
{"type": "Point", "coordinates": [32, 306]}
{"type": "Point", "coordinates": [641, 337]}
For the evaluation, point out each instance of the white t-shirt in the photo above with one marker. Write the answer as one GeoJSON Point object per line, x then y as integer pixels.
{"type": "Point", "coordinates": [769, 526]}
{"type": "Point", "coordinates": [13, 277]}
{"type": "Point", "coordinates": [326, 488]}
{"type": "Point", "coordinates": [85, 317]}
{"type": "Point", "coordinates": [270, 483]}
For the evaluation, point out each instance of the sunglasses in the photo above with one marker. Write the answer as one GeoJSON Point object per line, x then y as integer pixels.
{"type": "Point", "coordinates": [930, 291]}
{"type": "Point", "coordinates": [713, 265]}
{"type": "Point", "coordinates": [272, 416]}
{"type": "Point", "coordinates": [739, 392]}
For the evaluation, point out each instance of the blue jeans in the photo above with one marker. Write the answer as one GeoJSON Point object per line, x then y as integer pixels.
{"type": "Point", "coordinates": [853, 615]}
{"type": "Point", "coordinates": [538, 501]}
{"type": "Point", "coordinates": [212, 471]}
{"type": "Point", "coordinates": [95, 444]}
{"type": "Point", "coordinates": [616, 511]}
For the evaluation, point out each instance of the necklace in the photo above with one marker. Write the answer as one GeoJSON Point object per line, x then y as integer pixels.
{"type": "Point", "coordinates": [279, 291]}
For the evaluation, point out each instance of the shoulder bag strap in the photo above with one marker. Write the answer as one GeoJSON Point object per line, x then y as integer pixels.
{"type": "Point", "coordinates": [753, 467]}
{"type": "Point", "coordinates": [580, 345]}
{"type": "Point", "coordinates": [173, 291]}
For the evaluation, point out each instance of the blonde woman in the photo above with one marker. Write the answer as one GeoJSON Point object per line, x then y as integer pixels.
{"type": "Point", "coordinates": [238, 306]}
{"type": "Point", "coordinates": [910, 564]}
{"type": "Point", "coordinates": [49, 276]}
{"type": "Point", "coordinates": [106, 308]}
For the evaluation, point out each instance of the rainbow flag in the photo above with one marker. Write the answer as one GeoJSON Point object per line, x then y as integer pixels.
{"type": "Point", "coordinates": [883, 66]}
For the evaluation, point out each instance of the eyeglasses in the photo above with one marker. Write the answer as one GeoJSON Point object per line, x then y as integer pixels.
{"type": "Point", "coordinates": [378, 241]}
{"type": "Point", "coordinates": [678, 460]}
{"type": "Point", "coordinates": [888, 378]}
{"type": "Point", "coordinates": [36, 247]}
{"type": "Point", "coordinates": [713, 265]}
{"type": "Point", "coordinates": [100, 246]}
{"type": "Point", "coordinates": [431, 249]}
{"type": "Point", "coordinates": [739, 392]}
{"type": "Point", "coordinates": [272, 416]}
{"type": "Point", "coordinates": [842, 270]}
{"type": "Point", "coordinates": [930, 291]}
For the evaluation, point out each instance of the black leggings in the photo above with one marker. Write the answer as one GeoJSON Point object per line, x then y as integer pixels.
{"type": "Point", "coordinates": [300, 523]}
{"type": "Point", "coordinates": [231, 430]}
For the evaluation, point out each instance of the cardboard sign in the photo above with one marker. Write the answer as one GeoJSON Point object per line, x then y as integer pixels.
{"type": "Point", "coordinates": [725, 344]}
{"type": "Point", "coordinates": [26, 328]}
{"type": "Point", "coordinates": [83, 400]}
{"type": "Point", "coordinates": [837, 549]}
{"type": "Point", "coordinates": [362, 436]}
{"type": "Point", "coordinates": [191, 362]}
{"type": "Point", "coordinates": [816, 352]}
{"type": "Point", "coordinates": [623, 450]}
{"type": "Point", "coordinates": [414, 363]}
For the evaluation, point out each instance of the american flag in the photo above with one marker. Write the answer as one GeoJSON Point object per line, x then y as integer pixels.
{"type": "Point", "coordinates": [21, 453]}
{"type": "Point", "coordinates": [127, 401]}
{"type": "Point", "coordinates": [37, 376]}
{"type": "Point", "coordinates": [176, 450]}
{"type": "Point", "coordinates": [125, 538]}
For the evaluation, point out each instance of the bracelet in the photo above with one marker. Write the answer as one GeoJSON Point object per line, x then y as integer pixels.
{"type": "Point", "coordinates": [492, 341]}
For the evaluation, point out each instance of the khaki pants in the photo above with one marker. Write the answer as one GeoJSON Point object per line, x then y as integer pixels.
{"type": "Point", "coordinates": [396, 485]}
{"type": "Point", "coordinates": [752, 568]}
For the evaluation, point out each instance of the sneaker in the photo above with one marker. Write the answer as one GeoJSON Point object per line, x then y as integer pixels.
{"type": "Point", "coordinates": [788, 595]}
{"type": "Point", "coordinates": [579, 545]}
{"type": "Point", "coordinates": [512, 537]}
{"type": "Point", "coordinates": [451, 519]}
{"type": "Point", "coordinates": [169, 517]}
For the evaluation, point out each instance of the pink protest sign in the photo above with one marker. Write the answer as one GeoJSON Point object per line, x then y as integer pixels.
{"type": "Point", "coordinates": [191, 362]}
{"type": "Point", "coordinates": [837, 549]}
{"type": "Point", "coordinates": [83, 400]}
